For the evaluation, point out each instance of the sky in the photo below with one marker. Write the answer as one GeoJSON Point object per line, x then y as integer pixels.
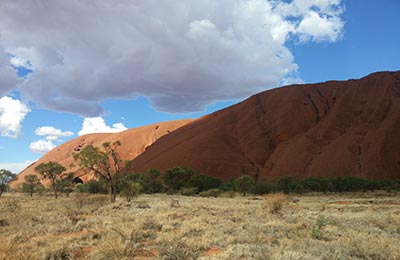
{"type": "Point", "coordinates": [69, 68]}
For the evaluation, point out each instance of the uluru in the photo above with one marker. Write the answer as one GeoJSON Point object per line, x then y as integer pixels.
{"type": "Point", "coordinates": [330, 129]}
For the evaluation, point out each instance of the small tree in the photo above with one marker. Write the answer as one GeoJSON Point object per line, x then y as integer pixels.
{"type": "Point", "coordinates": [104, 163]}
{"type": "Point", "coordinates": [5, 177]}
{"type": "Point", "coordinates": [51, 171]}
{"type": "Point", "coordinates": [176, 178]}
{"type": "Point", "coordinates": [93, 187]}
{"type": "Point", "coordinates": [262, 187]}
{"type": "Point", "coordinates": [130, 190]}
{"type": "Point", "coordinates": [64, 184]}
{"type": "Point", "coordinates": [204, 182]}
{"type": "Point", "coordinates": [288, 184]}
{"type": "Point", "coordinates": [30, 184]}
{"type": "Point", "coordinates": [155, 184]}
{"type": "Point", "coordinates": [244, 184]}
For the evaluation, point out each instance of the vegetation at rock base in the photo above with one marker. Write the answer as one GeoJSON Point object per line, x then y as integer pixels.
{"type": "Point", "coordinates": [104, 163]}
{"type": "Point", "coordinates": [51, 171]}
{"type": "Point", "coordinates": [244, 184]}
{"type": "Point", "coordinates": [31, 184]}
{"type": "Point", "coordinates": [176, 178]}
{"type": "Point", "coordinates": [5, 177]}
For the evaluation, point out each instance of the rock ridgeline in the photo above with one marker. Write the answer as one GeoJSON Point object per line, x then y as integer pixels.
{"type": "Point", "coordinates": [336, 128]}
{"type": "Point", "coordinates": [133, 142]}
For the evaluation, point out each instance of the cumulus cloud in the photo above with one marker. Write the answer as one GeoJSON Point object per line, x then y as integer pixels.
{"type": "Point", "coordinates": [12, 113]}
{"type": "Point", "coordinates": [182, 55]}
{"type": "Point", "coordinates": [98, 125]}
{"type": "Point", "coordinates": [51, 131]}
{"type": "Point", "coordinates": [318, 20]}
{"type": "Point", "coordinates": [51, 135]}
{"type": "Point", "coordinates": [42, 146]}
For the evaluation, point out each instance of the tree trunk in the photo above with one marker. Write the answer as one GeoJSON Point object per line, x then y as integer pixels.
{"type": "Point", "coordinates": [55, 190]}
{"type": "Point", "coordinates": [114, 194]}
{"type": "Point", "coordinates": [112, 191]}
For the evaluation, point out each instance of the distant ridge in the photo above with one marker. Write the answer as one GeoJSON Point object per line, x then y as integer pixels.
{"type": "Point", "coordinates": [134, 142]}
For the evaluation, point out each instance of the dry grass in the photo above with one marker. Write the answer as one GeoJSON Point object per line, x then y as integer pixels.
{"type": "Point", "coordinates": [315, 226]}
{"type": "Point", "coordinates": [275, 202]}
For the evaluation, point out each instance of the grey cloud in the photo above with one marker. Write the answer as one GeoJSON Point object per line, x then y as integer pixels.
{"type": "Point", "coordinates": [8, 77]}
{"type": "Point", "coordinates": [182, 55]}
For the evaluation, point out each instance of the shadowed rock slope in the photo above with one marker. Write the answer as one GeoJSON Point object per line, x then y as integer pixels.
{"type": "Point", "coordinates": [336, 128]}
{"type": "Point", "coordinates": [133, 142]}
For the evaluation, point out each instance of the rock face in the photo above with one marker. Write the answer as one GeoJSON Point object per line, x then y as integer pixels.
{"type": "Point", "coordinates": [133, 142]}
{"type": "Point", "coordinates": [336, 128]}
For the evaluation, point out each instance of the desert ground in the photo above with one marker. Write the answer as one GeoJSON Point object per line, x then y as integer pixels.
{"type": "Point", "coordinates": [346, 226]}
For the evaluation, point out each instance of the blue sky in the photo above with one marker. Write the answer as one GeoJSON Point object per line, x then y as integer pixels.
{"type": "Point", "coordinates": [99, 74]}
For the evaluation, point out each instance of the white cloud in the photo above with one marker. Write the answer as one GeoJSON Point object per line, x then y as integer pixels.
{"type": "Point", "coordinates": [317, 20]}
{"type": "Point", "coordinates": [42, 146]}
{"type": "Point", "coordinates": [51, 131]}
{"type": "Point", "coordinates": [12, 113]}
{"type": "Point", "coordinates": [319, 28]}
{"type": "Point", "coordinates": [51, 135]}
{"type": "Point", "coordinates": [82, 53]}
{"type": "Point", "coordinates": [52, 138]}
{"type": "Point", "coordinates": [98, 125]}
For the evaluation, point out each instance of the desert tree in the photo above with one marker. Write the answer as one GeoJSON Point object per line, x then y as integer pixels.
{"type": "Point", "coordinates": [30, 184]}
{"type": "Point", "coordinates": [64, 183]}
{"type": "Point", "coordinates": [51, 171]}
{"type": "Point", "coordinates": [105, 164]}
{"type": "Point", "coordinates": [5, 177]}
{"type": "Point", "coordinates": [175, 178]}
{"type": "Point", "coordinates": [130, 189]}
{"type": "Point", "coordinates": [244, 184]}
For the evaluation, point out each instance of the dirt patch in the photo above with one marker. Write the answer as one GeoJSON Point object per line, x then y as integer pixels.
{"type": "Point", "coordinates": [82, 252]}
{"type": "Point", "coordinates": [213, 251]}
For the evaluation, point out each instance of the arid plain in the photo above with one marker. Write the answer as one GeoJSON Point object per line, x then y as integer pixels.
{"type": "Point", "coordinates": [276, 226]}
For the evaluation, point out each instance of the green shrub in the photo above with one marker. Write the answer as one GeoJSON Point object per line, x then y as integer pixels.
{"type": "Point", "coordinates": [203, 182]}
{"type": "Point", "coordinates": [155, 183]}
{"type": "Point", "coordinates": [30, 184]}
{"type": "Point", "coordinates": [348, 183]}
{"type": "Point", "coordinates": [140, 178]}
{"type": "Point", "coordinates": [316, 184]}
{"type": "Point", "coordinates": [189, 191]}
{"type": "Point", "coordinates": [263, 187]}
{"type": "Point", "coordinates": [228, 186]}
{"type": "Point", "coordinates": [129, 190]}
{"type": "Point", "coordinates": [318, 230]}
{"type": "Point", "coordinates": [176, 178]}
{"type": "Point", "coordinates": [244, 184]}
{"type": "Point", "coordinates": [211, 193]}
{"type": "Point", "coordinates": [288, 184]}
{"type": "Point", "coordinates": [93, 187]}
